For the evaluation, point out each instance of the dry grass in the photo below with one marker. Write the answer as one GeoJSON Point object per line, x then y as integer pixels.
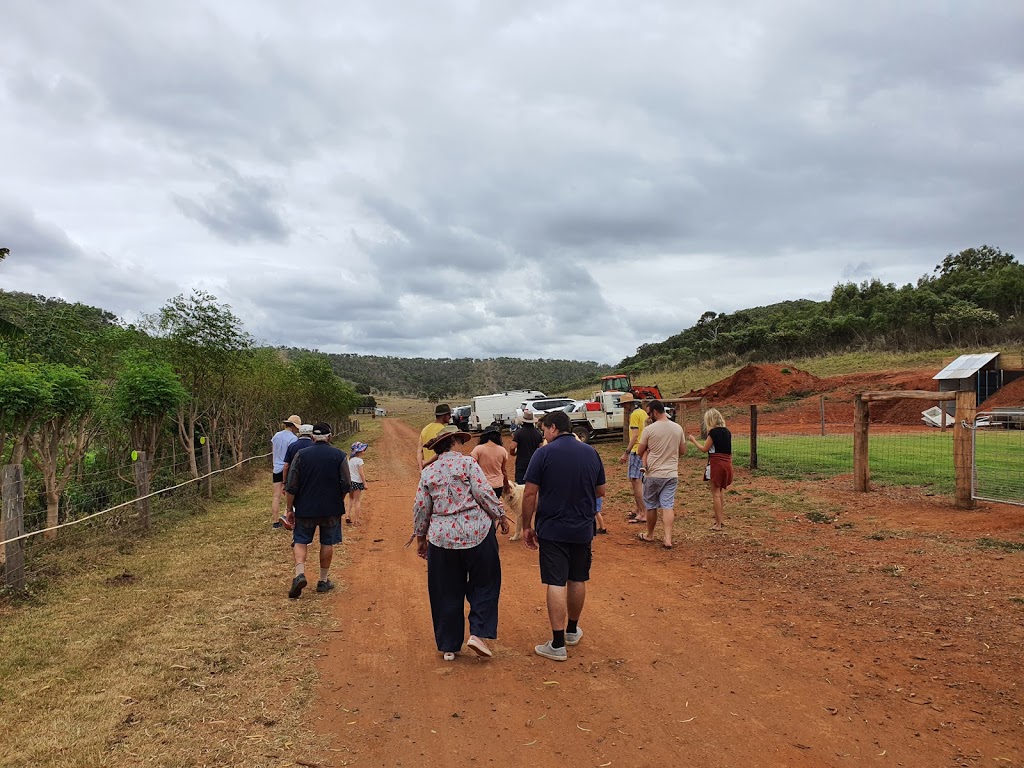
{"type": "Point", "coordinates": [182, 650]}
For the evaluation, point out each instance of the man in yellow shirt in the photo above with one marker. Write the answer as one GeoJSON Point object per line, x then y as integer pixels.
{"type": "Point", "coordinates": [442, 415]}
{"type": "Point", "coordinates": [637, 422]}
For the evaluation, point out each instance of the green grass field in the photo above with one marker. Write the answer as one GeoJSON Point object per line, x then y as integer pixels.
{"type": "Point", "coordinates": [914, 458]}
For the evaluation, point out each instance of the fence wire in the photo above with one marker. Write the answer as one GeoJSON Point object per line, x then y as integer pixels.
{"type": "Point", "coordinates": [99, 506]}
{"type": "Point", "coordinates": [999, 457]}
{"type": "Point", "coordinates": [897, 455]}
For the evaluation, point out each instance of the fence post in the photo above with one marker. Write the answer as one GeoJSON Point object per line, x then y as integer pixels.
{"type": "Point", "coordinates": [207, 468]}
{"type": "Point", "coordinates": [753, 437]}
{"type": "Point", "coordinates": [963, 445]}
{"type": "Point", "coordinates": [14, 525]}
{"type": "Point", "coordinates": [822, 415]}
{"type": "Point", "coordinates": [141, 467]}
{"type": "Point", "coordinates": [861, 468]}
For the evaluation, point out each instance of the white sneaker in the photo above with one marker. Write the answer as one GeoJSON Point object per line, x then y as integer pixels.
{"type": "Point", "coordinates": [479, 647]}
{"type": "Point", "coordinates": [571, 638]}
{"type": "Point", "coordinates": [449, 656]}
{"type": "Point", "coordinates": [550, 652]}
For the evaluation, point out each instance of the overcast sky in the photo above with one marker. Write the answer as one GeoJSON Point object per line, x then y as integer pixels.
{"type": "Point", "coordinates": [534, 179]}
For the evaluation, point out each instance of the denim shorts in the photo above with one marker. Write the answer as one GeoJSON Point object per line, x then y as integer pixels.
{"type": "Point", "coordinates": [660, 492]}
{"type": "Point", "coordinates": [635, 465]}
{"type": "Point", "coordinates": [330, 530]}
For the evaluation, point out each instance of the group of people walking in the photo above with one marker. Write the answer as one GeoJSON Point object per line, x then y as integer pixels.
{"type": "Point", "coordinates": [315, 478]}
{"type": "Point", "coordinates": [458, 510]}
{"type": "Point", "coordinates": [457, 513]}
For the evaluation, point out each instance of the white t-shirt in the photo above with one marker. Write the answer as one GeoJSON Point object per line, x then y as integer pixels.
{"type": "Point", "coordinates": [355, 468]}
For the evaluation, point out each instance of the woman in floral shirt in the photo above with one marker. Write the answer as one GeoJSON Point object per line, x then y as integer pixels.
{"type": "Point", "coordinates": [453, 523]}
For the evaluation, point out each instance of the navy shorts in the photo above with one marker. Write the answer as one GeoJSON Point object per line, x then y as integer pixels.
{"type": "Point", "coordinates": [279, 476]}
{"type": "Point", "coordinates": [330, 530]}
{"type": "Point", "coordinates": [561, 562]}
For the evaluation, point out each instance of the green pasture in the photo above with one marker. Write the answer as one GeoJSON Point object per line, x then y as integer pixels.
{"type": "Point", "coordinates": [914, 458]}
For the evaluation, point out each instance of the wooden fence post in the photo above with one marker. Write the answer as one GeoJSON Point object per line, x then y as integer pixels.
{"type": "Point", "coordinates": [13, 519]}
{"type": "Point", "coordinates": [627, 411]}
{"type": "Point", "coordinates": [963, 448]}
{"type": "Point", "coordinates": [861, 468]}
{"type": "Point", "coordinates": [207, 468]}
{"type": "Point", "coordinates": [141, 467]}
{"type": "Point", "coordinates": [753, 437]}
{"type": "Point", "coordinates": [822, 415]}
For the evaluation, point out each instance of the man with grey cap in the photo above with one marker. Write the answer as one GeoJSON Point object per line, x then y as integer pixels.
{"type": "Point", "coordinates": [318, 481]}
{"type": "Point", "coordinates": [279, 444]}
{"type": "Point", "coordinates": [442, 415]}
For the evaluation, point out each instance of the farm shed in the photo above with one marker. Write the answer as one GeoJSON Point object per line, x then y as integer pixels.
{"type": "Point", "coordinates": [980, 373]}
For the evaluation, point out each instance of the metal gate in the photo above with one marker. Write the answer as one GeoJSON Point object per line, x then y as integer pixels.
{"type": "Point", "coordinates": [999, 456]}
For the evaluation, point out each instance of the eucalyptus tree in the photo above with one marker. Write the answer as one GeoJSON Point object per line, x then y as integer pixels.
{"type": "Point", "coordinates": [203, 340]}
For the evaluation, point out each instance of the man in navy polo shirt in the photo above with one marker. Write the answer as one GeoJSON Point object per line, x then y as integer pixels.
{"type": "Point", "coordinates": [317, 482]}
{"type": "Point", "coordinates": [563, 482]}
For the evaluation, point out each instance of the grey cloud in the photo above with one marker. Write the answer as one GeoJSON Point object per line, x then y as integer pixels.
{"type": "Point", "coordinates": [240, 209]}
{"type": "Point", "coordinates": [34, 240]}
{"type": "Point", "coordinates": [514, 165]}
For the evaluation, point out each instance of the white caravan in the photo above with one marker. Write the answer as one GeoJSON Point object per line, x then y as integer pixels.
{"type": "Point", "coordinates": [499, 407]}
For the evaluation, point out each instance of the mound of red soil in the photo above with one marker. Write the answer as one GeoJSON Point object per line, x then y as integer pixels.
{"type": "Point", "coordinates": [762, 384]}
{"type": "Point", "coordinates": [758, 384]}
{"type": "Point", "coordinates": [1010, 396]}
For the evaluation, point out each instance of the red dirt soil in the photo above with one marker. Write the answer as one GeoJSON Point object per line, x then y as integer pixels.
{"type": "Point", "coordinates": [1010, 396]}
{"type": "Point", "coordinates": [763, 384]}
{"type": "Point", "coordinates": [886, 637]}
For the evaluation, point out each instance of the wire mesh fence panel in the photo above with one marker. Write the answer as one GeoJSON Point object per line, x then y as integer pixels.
{"type": "Point", "coordinates": [999, 457]}
{"type": "Point", "coordinates": [913, 457]}
{"type": "Point", "coordinates": [910, 456]}
{"type": "Point", "coordinates": [793, 456]}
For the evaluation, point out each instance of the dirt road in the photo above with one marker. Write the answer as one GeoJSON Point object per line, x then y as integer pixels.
{"type": "Point", "coordinates": [772, 644]}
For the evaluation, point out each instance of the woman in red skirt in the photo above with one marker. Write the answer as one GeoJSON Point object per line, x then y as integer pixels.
{"type": "Point", "coordinates": [718, 447]}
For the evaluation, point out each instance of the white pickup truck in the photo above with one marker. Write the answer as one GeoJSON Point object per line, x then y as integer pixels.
{"type": "Point", "coordinates": [602, 416]}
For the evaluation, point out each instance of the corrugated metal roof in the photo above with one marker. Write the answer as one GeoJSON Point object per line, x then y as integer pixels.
{"type": "Point", "coordinates": [966, 366]}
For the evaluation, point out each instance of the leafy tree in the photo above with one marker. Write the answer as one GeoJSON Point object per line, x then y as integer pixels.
{"type": "Point", "coordinates": [145, 394]}
{"type": "Point", "coordinates": [26, 397]}
{"type": "Point", "coordinates": [203, 339]}
{"type": "Point", "coordinates": [974, 260]}
{"type": "Point", "coordinates": [65, 434]}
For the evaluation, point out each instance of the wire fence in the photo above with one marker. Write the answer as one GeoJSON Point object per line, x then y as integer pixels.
{"type": "Point", "coordinates": [102, 507]}
{"type": "Point", "coordinates": [999, 456]}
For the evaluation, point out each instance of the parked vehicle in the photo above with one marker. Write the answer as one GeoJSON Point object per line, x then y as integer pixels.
{"type": "Point", "coordinates": [540, 406]}
{"type": "Point", "coordinates": [460, 417]}
{"type": "Point", "coordinates": [620, 382]}
{"type": "Point", "coordinates": [499, 408]}
{"type": "Point", "coordinates": [601, 416]}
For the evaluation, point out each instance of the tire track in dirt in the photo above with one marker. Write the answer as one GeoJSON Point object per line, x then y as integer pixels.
{"type": "Point", "coordinates": [675, 667]}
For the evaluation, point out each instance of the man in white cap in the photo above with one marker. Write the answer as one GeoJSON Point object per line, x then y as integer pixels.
{"type": "Point", "coordinates": [279, 443]}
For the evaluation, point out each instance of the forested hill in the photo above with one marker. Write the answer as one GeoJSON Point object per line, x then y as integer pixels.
{"type": "Point", "coordinates": [463, 377]}
{"type": "Point", "coordinates": [973, 297]}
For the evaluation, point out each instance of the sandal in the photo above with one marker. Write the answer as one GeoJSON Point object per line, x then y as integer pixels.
{"type": "Point", "coordinates": [666, 546]}
{"type": "Point", "coordinates": [636, 520]}
{"type": "Point", "coordinates": [644, 537]}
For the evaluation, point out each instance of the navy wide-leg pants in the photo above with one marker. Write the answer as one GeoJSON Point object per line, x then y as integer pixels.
{"type": "Point", "coordinates": [455, 576]}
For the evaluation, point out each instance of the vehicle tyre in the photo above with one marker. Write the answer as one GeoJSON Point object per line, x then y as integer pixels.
{"type": "Point", "coordinates": [582, 433]}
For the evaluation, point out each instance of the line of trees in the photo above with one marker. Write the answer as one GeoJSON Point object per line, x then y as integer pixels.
{"type": "Point", "coordinates": [973, 297]}
{"type": "Point", "coordinates": [445, 378]}
{"type": "Point", "coordinates": [79, 390]}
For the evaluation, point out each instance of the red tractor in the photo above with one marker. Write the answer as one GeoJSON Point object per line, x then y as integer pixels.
{"type": "Point", "coordinates": [620, 382]}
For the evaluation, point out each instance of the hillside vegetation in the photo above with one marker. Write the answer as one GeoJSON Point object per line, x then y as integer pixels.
{"type": "Point", "coordinates": [974, 297]}
{"type": "Point", "coordinates": [439, 379]}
